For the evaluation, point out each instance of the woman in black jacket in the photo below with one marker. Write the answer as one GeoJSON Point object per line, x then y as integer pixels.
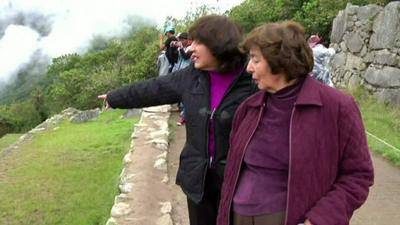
{"type": "Point", "coordinates": [211, 89]}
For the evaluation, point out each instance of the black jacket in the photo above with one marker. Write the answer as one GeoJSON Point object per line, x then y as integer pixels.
{"type": "Point", "coordinates": [192, 87]}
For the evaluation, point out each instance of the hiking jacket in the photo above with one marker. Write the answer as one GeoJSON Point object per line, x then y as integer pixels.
{"type": "Point", "coordinates": [321, 70]}
{"type": "Point", "coordinates": [191, 87]}
{"type": "Point", "coordinates": [330, 168]}
{"type": "Point", "coordinates": [162, 64]}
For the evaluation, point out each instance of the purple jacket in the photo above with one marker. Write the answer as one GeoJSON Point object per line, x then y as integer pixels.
{"type": "Point", "coordinates": [330, 168]}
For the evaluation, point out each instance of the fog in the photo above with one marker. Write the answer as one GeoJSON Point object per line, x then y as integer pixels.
{"type": "Point", "coordinates": [51, 28]}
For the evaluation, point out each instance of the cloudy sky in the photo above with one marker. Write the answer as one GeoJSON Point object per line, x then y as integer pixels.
{"type": "Point", "coordinates": [56, 27]}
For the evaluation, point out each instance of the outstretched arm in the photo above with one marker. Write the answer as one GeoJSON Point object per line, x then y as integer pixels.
{"type": "Point", "coordinates": [157, 91]}
{"type": "Point", "coordinates": [105, 103]}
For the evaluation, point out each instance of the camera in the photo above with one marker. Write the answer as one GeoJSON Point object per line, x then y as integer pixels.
{"type": "Point", "coordinates": [176, 44]}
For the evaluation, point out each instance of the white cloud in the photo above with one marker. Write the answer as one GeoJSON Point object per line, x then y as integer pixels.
{"type": "Point", "coordinates": [74, 23]}
{"type": "Point", "coordinates": [13, 54]}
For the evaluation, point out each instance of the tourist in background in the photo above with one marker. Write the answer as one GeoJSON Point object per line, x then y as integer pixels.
{"type": "Point", "coordinates": [184, 48]}
{"type": "Point", "coordinates": [322, 57]}
{"type": "Point", "coordinates": [171, 51]}
{"type": "Point", "coordinates": [162, 64]}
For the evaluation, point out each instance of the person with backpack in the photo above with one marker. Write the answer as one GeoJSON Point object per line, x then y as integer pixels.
{"type": "Point", "coordinates": [211, 88]}
{"type": "Point", "coordinates": [171, 50]}
{"type": "Point", "coordinates": [184, 49]}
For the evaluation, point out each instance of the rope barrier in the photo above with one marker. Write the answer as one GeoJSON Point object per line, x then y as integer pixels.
{"type": "Point", "coordinates": [384, 142]}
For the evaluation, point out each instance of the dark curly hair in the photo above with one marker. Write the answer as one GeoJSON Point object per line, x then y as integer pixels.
{"type": "Point", "coordinates": [222, 36]}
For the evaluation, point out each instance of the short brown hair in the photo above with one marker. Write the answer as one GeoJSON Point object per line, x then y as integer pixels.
{"type": "Point", "coordinates": [222, 36]}
{"type": "Point", "coordinates": [284, 46]}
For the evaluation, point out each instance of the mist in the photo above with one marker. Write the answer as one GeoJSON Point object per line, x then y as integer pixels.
{"type": "Point", "coordinates": [39, 30]}
{"type": "Point", "coordinates": [33, 31]}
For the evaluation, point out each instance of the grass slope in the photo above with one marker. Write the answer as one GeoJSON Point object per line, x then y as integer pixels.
{"type": "Point", "coordinates": [382, 121]}
{"type": "Point", "coordinates": [8, 140]}
{"type": "Point", "coordinates": [65, 176]}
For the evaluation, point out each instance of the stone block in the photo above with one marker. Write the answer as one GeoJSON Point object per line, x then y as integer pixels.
{"type": "Point", "coordinates": [120, 209]}
{"type": "Point", "coordinates": [339, 26]}
{"type": "Point", "coordinates": [386, 27]}
{"type": "Point", "coordinates": [85, 116]}
{"type": "Point", "coordinates": [391, 96]}
{"type": "Point", "coordinates": [384, 57]}
{"type": "Point", "coordinates": [161, 164]}
{"type": "Point", "coordinates": [354, 63]}
{"type": "Point", "coordinates": [388, 77]}
{"type": "Point", "coordinates": [354, 42]}
{"type": "Point", "coordinates": [126, 187]}
{"type": "Point", "coordinates": [166, 207]}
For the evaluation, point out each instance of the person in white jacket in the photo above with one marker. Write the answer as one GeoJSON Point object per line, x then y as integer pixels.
{"type": "Point", "coordinates": [322, 57]}
{"type": "Point", "coordinates": [162, 64]}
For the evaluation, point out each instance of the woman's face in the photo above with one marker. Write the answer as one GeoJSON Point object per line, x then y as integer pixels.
{"type": "Point", "coordinates": [261, 72]}
{"type": "Point", "coordinates": [202, 57]}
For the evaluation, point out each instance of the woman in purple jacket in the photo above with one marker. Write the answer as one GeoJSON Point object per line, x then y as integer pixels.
{"type": "Point", "coordinates": [298, 149]}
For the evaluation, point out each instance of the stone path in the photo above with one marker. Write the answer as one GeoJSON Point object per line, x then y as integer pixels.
{"type": "Point", "coordinates": [383, 204]}
{"type": "Point", "coordinates": [179, 209]}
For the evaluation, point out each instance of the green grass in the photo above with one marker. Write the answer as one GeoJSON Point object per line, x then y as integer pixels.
{"type": "Point", "coordinates": [382, 121]}
{"type": "Point", "coordinates": [66, 176]}
{"type": "Point", "coordinates": [7, 140]}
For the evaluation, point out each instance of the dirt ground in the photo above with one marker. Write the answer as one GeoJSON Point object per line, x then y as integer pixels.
{"type": "Point", "coordinates": [383, 203]}
{"type": "Point", "coordinates": [179, 209]}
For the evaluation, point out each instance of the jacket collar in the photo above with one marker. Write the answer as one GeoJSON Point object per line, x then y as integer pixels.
{"type": "Point", "coordinates": [309, 95]}
{"type": "Point", "coordinates": [205, 76]}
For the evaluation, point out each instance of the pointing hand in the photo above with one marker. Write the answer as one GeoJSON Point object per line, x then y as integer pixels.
{"type": "Point", "coordinates": [105, 103]}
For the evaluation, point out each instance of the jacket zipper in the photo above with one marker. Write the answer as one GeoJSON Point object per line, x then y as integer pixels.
{"type": "Point", "coordinates": [215, 152]}
{"type": "Point", "coordinates": [208, 124]}
{"type": "Point", "coordinates": [290, 163]}
{"type": "Point", "coordinates": [207, 155]}
{"type": "Point", "coordinates": [213, 114]}
{"type": "Point", "coordinates": [208, 84]}
{"type": "Point", "coordinates": [242, 156]}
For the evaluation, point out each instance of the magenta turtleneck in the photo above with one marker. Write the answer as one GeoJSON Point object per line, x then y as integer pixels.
{"type": "Point", "coordinates": [220, 84]}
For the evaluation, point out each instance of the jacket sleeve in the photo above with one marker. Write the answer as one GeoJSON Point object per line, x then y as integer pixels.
{"type": "Point", "coordinates": [355, 171]}
{"type": "Point", "coordinates": [166, 89]}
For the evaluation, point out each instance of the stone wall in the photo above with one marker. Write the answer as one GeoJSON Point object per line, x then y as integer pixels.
{"type": "Point", "coordinates": [367, 44]}
{"type": "Point", "coordinates": [145, 196]}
